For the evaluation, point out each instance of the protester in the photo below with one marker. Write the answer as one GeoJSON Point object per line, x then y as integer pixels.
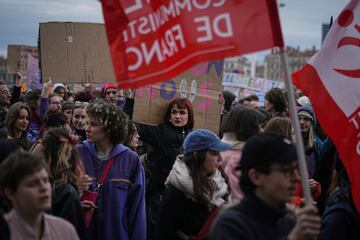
{"type": "Point", "coordinates": [78, 116]}
{"type": "Point", "coordinates": [276, 103]}
{"type": "Point", "coordinates": [119, 209]}
{"type": "Point", "coordinates": [269, 173]}
{"type": "Point", "coordinates": [251, 101]}
{"type": "Point", "coordinates": [283, 127]}
{"type": "Point", "coordinates": [341, 219]}
{"type": "Point", "coordinates": [18, 123]}
{"type": "Point", "coordinates": [60, 90]}
{"type": "Point", "coordinates": [67, 110]}
{"type": "Point", "coordinates": [84, 96]}
{"type": "Point", "coordinates": [196, 188]}
{"type": "Point", "coordinates": [132, 136]}
{"type": "Point", "coordinates": [25, 181]}
{"type": "Point", "coordinates": [239, 125]}
{"type": "Point", "coordinates": [5, 97]}
{"type": "Point", "coordinates": [52, 101]}
{"type": "Point", "coordinates": [65, 172]}
{"type": "Point", "coordinates": [7, 146]}
{"type": "Point", "coordinates": [32, 99]}
{"type": "Point", "coordinates": [112, 94]}
{"type": "Point", "coordinates": [229, 98]}
{"type": "Point", "coordinates": [166, 141]}
{"type": "Point", "coordinates": [52, 119]}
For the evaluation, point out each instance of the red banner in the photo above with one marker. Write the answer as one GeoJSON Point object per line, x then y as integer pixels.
{"type": "Point", "coordinates": [331, 81]}
{"type": "Point", "coordinates": [153, 41]}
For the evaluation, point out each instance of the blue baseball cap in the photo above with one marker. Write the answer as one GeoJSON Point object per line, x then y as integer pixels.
{"type": "Point", "coordinates": [202, 139]}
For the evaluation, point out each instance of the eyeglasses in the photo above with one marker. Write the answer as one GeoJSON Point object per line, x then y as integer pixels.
{"type": "Point", "coordinates": [287, 171]}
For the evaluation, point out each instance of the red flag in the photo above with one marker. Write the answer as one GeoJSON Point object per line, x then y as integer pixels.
{"type": "Point", "coordinates": [152, 41]}
{"type": "Point", "coordinates": [332, 82]}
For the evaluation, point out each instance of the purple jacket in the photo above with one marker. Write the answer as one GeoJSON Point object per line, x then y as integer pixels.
{"type": "Point", "coordinates": [121, 200]}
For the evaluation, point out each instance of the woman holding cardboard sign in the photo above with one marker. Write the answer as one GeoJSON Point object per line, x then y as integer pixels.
{"type": "Point", "coordinates": [166, 143]}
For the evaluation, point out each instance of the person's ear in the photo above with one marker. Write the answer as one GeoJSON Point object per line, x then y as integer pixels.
{"type": "Point", "coordinates": [256, 177]}
{"type": "Point", "coordinates": [9, 194]}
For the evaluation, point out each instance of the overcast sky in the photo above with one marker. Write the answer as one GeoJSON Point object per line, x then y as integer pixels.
{"type": "Point", "coordinates": [19, 19]}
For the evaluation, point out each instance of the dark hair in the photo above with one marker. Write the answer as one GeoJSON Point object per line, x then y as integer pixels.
{"type": "Point", "coordinates": [131, 131]}
{"type": "Point", "coordinates": [280, 125]}
{"type": "Point", "coordinates": [67, 106]}
{"type": "Point", "coordinates": [277, 97]}
{"type": "Point", "coordinates": [54, 118]}
{"type": "Point", "coordinates": [260, 153]}
{"type": "Point", "coordinates": [11, 117]}
{"type": "Point", "coordinates": [7, 146]}
{"type": "Point", "coordinates": [203, 188]}
{"type": "Point", "coordinates": [112, 118]}
{"type": "Point", "coordinates": [32, 97]}
{"type": "Point", "coordinates": [60, 154]}
{"type": "Point", "coordinates": [17, 166]}
{"type": "Point", "coordinates": [244, 121]}
{"type": "Point", "coordinates": [84, 96]}
{"type": "Point", "coordinates": [249, 98]}
{"type": "Point", "coordinates": [229, 97]}
{"type": "Point", "coordinates": [182, 103]}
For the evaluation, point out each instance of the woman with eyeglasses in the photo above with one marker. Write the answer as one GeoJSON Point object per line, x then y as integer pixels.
{"type": "Point", "coordinates": [118, 210]}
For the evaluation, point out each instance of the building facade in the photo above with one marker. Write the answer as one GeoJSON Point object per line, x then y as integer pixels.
{"type": "Point", "coordinates": [296, 58]}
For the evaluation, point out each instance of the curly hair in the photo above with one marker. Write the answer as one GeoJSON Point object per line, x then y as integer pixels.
{"type": "Point", "coordinates": [277, 97]}
{"type": "Point", "coordinates": [182, 103]}
{"type": "Point", "coordinates": [113, 119]}
{"type": "Point", "coordinates": [131, 131]}
{"type": "Point", "coordinates": [60, 154]}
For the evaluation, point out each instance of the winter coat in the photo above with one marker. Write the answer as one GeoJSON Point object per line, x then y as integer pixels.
{"type": "Point", "coordinates": [166, 141]}
{"type": "Point", "coordinates": [252, 219]}
{"type": "Point", "coordinates": [66, 204]}
{"type": "Point", "coordinates": [340, 219]}
{"type": "Point", "coordinates": [179, 210]}
{"type": "Point", "coordinates": [120, 212]}
{"type": "Point", "coordinates": [230, 159]}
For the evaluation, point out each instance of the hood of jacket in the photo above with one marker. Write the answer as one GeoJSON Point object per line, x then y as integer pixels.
{"type": "Point", "coordinates": [180, 178]}
{"type": "Point", "coordinates": [119, 148]}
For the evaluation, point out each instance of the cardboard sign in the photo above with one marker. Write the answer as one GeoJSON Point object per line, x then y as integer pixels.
{"type": "Point", "coordinates": [152, 41]}
{"type": "Point", "coordinates": [32, 77]}
{"type": "Point", "coordinates": [201, 85]}
{"type": "Point", "coordinates": [17, 57]}
{"type": "Point", "coordinates": [75, 53]}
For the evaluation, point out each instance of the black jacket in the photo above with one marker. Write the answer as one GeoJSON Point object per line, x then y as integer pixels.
{"type": "Point", "coordinates": [340, 219]}
{"type": "Point", "coordinates": [178, 212]}
{"type": "Point", "coordinates": [66, 204]}
{"type": "Point", "coordinates": [166, 141]}
{"type": "Point", "coordinates": [252, 219]}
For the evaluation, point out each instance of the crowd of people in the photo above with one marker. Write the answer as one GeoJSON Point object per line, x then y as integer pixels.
{"type": "Point", "coordinates": [75, 166]}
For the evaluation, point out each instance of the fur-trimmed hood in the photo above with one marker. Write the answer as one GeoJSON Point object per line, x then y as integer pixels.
{"type": "Point", "coordinates": [180, 178]}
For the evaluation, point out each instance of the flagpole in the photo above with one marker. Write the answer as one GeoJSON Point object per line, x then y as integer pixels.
{"type": "Point", "coordinates": [296, 125]}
